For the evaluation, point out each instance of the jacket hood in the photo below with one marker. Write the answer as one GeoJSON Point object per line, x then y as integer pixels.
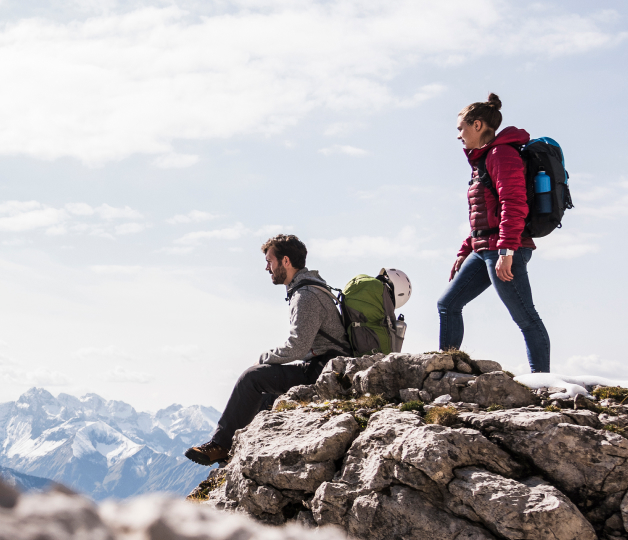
{"type": "Point", "coordinates": [509, 135]}
{"type": "Point", "coordinates": [304, 273]}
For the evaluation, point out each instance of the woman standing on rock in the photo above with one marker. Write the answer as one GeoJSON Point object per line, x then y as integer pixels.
{"type": "Point", "coordinates": [494, 252]}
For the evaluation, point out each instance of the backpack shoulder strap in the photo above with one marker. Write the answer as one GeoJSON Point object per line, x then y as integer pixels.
{"type": "Point", "coordinates": [311, 283]}
{"type": "Point", "coordinates": [317, 284]}
{"type": "Point", "coordinates": [485, 178]}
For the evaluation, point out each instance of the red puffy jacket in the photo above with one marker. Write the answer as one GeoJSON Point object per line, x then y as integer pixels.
{"type": "Point", "coordinates": [506, 169]}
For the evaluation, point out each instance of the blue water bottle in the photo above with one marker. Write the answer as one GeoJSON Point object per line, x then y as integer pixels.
{"type": "Point", "coordinates": [543, 193]}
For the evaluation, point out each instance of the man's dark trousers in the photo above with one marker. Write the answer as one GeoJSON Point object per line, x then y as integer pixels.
{"type": "Point", "coordinates": [248, 395]}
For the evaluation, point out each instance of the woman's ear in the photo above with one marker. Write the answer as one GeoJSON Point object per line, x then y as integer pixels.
{"type": "Point", "coordinates": [478, 125]}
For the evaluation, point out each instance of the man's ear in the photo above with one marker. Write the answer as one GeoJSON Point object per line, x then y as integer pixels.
{"type": "Point", "coordinates": [286, 262]}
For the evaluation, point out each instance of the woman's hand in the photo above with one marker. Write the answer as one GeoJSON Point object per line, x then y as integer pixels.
{"type": "Point", "coordinates": [457, 266]}
{"type": "Point", "coordinates": [503, 268]}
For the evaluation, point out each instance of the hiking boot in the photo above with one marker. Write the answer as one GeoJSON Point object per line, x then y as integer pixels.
{"type": "Point", "coordinates": [207, 454]}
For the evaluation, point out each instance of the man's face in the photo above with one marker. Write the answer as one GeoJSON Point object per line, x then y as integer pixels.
{"type": "Point", "coordinates": [277, 270]}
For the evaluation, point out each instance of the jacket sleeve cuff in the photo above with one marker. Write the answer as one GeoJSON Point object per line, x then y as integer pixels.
{"type": "Point", "coordinates": [465, 248]}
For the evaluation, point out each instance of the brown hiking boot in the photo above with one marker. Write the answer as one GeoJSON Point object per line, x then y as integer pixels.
{"type": "Point", "coordinates": [207, 454]}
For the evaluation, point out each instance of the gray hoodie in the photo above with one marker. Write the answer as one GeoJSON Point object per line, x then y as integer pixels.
{"type": "Point", "coordinates": [310, 310]}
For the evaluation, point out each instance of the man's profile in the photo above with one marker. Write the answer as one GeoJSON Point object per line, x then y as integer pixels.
{"type": "Point", "coordinates": [316, 335]}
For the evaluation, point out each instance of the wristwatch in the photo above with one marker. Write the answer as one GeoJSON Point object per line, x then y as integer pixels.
{"type": "Point", "coordinates": [505, 252]}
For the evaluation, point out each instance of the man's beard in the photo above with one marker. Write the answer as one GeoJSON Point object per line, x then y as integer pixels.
{"type": "Point", "coordinates": [279, 275]}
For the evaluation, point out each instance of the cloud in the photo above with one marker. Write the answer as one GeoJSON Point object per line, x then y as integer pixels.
{"type": "Point", "coordinates": [193, 216]}
{"type": "Point", "coordinates": [405, 244]}
{"type": "Point", "coordinates": [129, 80]}
{"type": "Point", "coordinates": [566, 245]}
{"type": "Point", "coordinates": [236, 232]}
{"type": "Point", "coordinates": [187, 353]}
{"type": "Point", "coordinates": [115, 269]}
{"type": "Point", "coordinates": [25, 216]}
{"type": "Point", "coordinates": [104, 355]}
{"type": "Point", "coordinates": [37, 377]}
{"type": "Point", "coordinates": [175, 161]}
{"type": "Point", "coordinates": [593, 364]}
{"type": "Point", "coordinates": [77, 218]}
{"type": "Point", "coordinates": [130, 228]}
{"type": "Point", "coordinates": [120, 374]}
{"type": "Point", "coordinates": [343, 149]}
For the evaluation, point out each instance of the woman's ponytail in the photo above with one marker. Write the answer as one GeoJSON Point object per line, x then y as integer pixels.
{"type": "Point", "coordinates": [486, 111]}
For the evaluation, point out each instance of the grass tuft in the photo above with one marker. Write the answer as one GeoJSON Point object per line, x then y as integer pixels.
{"type": "Point", "coordinates": [412, 406]}
{"type": "Point", "coordinates": [613, 392]}
{"type": "Point", "coordinates": [216, 480]}
{"type": "Point", "coordinates": [552, 408]}
{"type": "Point", "coordinates": [285, 406]}
{"type": "Point", "coordinates": [615, 429]}
{"type": "Point", "coordinates": [495, 407]}
{"type": "Point", "coordinates": [443, 416]}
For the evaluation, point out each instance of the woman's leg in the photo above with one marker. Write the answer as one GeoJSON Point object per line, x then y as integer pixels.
{"type": "Point", "coordinates": [471, 281]}
{"type": "Point", "coordinates": [517, 296]}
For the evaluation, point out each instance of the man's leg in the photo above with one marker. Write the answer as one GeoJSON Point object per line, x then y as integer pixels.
{"type": "Point", "coordinates": [248, 396]}
{"type": "Point", "coordinates": [471, 281]}
{"type": "Point", "coordinates": [517, 297]}
{"type": "Point", "coordinates": [247, 399]}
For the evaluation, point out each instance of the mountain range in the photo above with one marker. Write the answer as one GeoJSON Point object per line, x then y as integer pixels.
{"type": "Point", "coordinates": [102, 448]}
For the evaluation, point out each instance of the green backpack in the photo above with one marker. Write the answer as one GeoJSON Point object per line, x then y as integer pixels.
{"type": "Point", "coordinates": [369, 316]}
{"type": "Point", "coordinates": [367, 312]}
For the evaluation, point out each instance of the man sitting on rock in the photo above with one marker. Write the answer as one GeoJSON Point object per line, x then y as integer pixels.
{"type": "Point", "coordinates": [316, 336]}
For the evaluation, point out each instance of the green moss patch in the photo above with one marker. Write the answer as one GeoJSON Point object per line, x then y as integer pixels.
{"type": "Point", "coordinates": [412, 406]}
{"type": "Point", "coordinates": [615, 429]}
{"type": "Point", "coordinates": [495, 407]}
{"type": "Point", "coordinates": [443, 416]}
{"type": "Point", "coordinates": [613, 392]}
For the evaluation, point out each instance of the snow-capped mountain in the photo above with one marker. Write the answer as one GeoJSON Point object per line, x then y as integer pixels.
{"type": "Point", "coordinates": [103, 448]}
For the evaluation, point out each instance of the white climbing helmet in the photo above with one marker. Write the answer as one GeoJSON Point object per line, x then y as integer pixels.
{"type": "Point", "coordinates": [402, 288]}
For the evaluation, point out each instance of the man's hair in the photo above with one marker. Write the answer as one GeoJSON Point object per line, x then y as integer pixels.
{"type": "Point", "coordinates": [287, 245]}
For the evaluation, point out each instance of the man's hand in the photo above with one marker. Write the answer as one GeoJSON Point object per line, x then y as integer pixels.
{"type": "Point", "coordinates": [503, 268]}
{"type": "Point", "coordinates": [457, 266]}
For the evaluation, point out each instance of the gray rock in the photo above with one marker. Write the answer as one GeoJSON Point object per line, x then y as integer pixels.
{"type": "Point", "coordinates": [53, 516]}
{"type": "Point", "coordinates": [624, 510]}
{"type": "Point", "coordinates": [451, 383]}
{"type": "Point", "coordinates": [442, 400]}
{"type": "Point", "coordinates": [425, 396]}
{"type": "Point", "coordinates": [586, 464]}
{"type": "Point", "coordinates": [303, 393]}
{"type": "Point", "coordinates": [497, 388]}
{"type": "Point", "coordinates": [162, 518]}
{"type": "Point", "coordinates": [8, 495]}
{"type": "Point", "coordinates": [486, 366]}
{"type": "Point", "coordinates": [282, 451]}
{"type": "Point", "coordinates": [463, 367]}
{"type": "Point", "coordinates": [378, 374]}
{"type": "Point", "coordinates": [406, 514]}
{"type": "Point", "coordinates": [409, 394]}
{"type": "Point", "coordinates": [530, 510]}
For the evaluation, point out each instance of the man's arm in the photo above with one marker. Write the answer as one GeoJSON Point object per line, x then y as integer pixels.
{"type": "Point", "coordinates": [306, 317]}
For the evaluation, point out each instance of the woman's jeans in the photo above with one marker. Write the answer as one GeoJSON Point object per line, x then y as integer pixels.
{"type": "Point", "coordinates": [475, 276]}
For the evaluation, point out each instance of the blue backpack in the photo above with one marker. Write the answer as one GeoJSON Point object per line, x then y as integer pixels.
{"type": "Point", "coordinates": [539, 156]}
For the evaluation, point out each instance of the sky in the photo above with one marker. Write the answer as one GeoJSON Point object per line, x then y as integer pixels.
{"type": "Point", "coordinates": [148, 149]}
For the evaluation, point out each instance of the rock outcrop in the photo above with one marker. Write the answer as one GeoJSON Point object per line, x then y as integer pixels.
{"type": "Point", "coordinates": [62, 515]}
{"type": "Point", "coordinates": [433, 446]}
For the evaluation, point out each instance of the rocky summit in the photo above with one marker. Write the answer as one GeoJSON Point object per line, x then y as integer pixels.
{"type": "Point", "coordinates": [432, 446]}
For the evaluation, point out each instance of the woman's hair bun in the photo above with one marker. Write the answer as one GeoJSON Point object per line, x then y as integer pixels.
{"type": "Point", "coordinates": [494, 101]}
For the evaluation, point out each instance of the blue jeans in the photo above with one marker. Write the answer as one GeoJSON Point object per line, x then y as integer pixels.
{"type": "Point", "coordinates": [475, 276]}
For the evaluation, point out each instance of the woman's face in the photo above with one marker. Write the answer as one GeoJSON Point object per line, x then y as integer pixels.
{"type": "Point", "coordinates": [470, 134]}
